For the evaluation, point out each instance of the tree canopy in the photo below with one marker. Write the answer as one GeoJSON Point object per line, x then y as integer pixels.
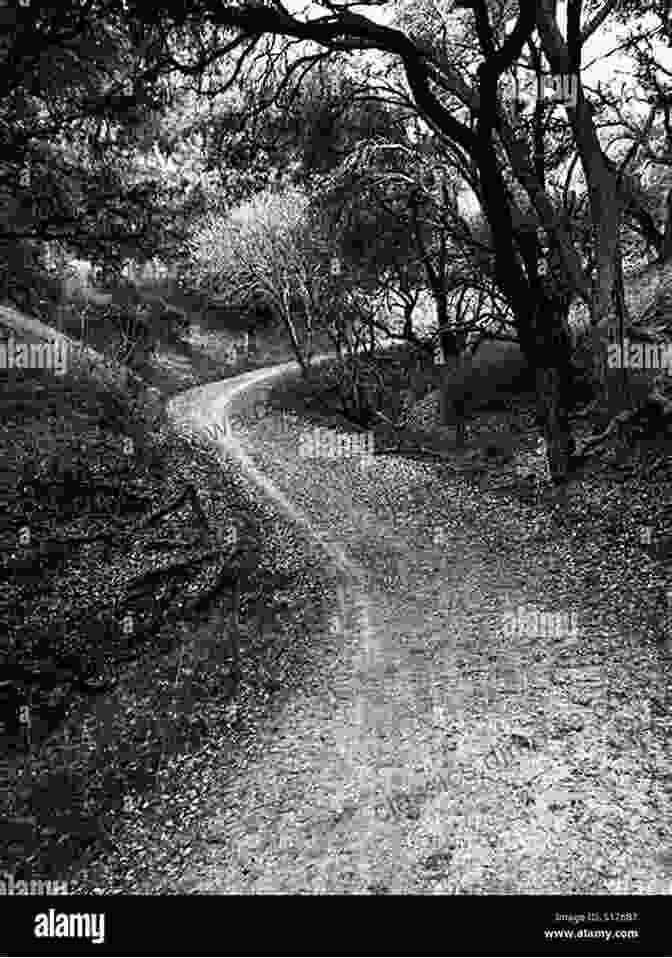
{"type": "Point", "coordinates": [125, 124]}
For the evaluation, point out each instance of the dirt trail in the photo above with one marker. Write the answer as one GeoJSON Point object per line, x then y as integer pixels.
{"type": "Point", "coordinates": [439, 754]}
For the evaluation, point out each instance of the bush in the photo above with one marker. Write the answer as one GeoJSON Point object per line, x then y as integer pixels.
{"type": "Point", "coordinates": [26, 283]}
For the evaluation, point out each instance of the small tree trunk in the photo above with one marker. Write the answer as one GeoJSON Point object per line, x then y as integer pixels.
{"type": "Point", "coordinates": [408, 320]}
{"type": "Point", "coordinates": [459, 410]}
{"type": "Point", "coordinates": [452, 403]}
{"type": "Point", "coordinates": [553, 413]}
{"type": "Point", "coordinates": [308, 352]}
{"type": "Point", "coordinates": [549, 351]}
{"type": "Point", "coordinates": [666, 249]}
{"type": "Point", "coordinates": [303, 362]}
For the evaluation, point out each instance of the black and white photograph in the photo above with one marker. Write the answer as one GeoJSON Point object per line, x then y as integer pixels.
{"type": "Point", "coordinates": [335, 476]}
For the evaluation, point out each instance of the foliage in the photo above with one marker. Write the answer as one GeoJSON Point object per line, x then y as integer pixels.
{"type": "Point", "coordinates": [82, 98]}
{"type": "Point", "coordinates": [125, 125]}
{"type": "Point", "coordinates": [263, 251]}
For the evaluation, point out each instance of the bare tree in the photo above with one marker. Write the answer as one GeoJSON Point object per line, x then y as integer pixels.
{"type": "Point", "coordinates": [262, 249]}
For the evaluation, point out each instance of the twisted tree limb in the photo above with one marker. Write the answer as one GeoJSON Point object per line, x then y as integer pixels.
{"type": "Point", "coordinates": [656, 405]}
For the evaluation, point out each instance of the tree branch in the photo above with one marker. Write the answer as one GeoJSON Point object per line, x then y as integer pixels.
{"type": "Point", "coordinates": [596, 22]}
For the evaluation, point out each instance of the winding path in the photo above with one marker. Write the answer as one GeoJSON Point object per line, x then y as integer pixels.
{"type": "Point", "coordinates": [440, 754]}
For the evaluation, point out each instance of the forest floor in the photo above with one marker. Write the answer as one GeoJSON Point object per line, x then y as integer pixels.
{"type": "Point", "coordinates": [116, 664]}
{"type": "Point", "coordinates": [441, 739]}
{"type": "Point", "coordinates": [402, 722]}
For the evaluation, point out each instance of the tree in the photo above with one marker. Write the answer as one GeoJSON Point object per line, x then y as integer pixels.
{"type": "Point", "coordinates": [111, 69]}
{"type": "Point", "coordinates": [263, 249]}
{"type": "Point", "coordinates": [80, 95]}
{"type": "Point", "coordinates": [394, 202]}
{"type": "Point", "coordinates": [472, 118]}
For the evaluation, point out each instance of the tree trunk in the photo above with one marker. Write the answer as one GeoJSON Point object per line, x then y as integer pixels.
{"type": "Point", "coordinates": [450, 345]}
{"type": "Point", "coordinates": [308, 352]}
{"type": "Point", "coordinates": [554, 421]}
{"type": "Point", "coordinates": [666, 249]}
{"type": "Point", "coordinates": [452, 398]}
{"type": "Point", "coordinates": [408, 320]}
{"type": "Point", "coordinates": [416, 380]}
{"type": "Point", "coordinates": [452, 404]}
{"type": "Point", "coordinates": [294, 339]}
{"type": "Point", "coordinates": [547, 345]}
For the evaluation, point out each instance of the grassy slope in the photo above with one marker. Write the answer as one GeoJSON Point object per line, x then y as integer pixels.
{"type": "Point", "coordinates": [98, 683]}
